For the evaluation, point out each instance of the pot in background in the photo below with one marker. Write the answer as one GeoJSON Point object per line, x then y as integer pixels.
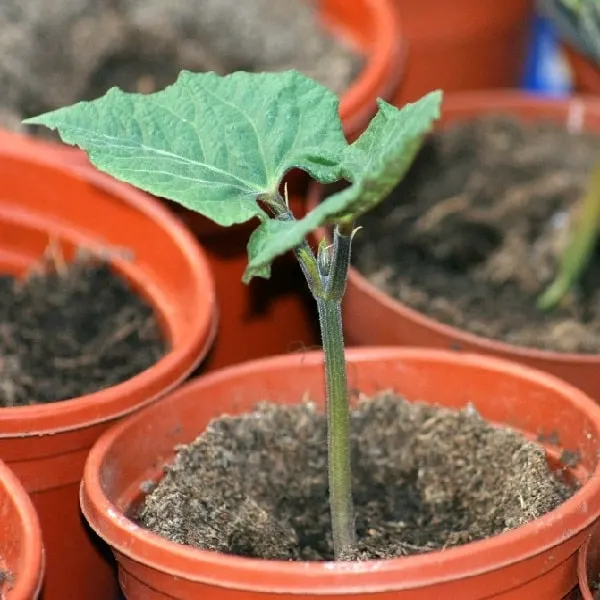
{"type": "Point", "coordinates": [537, 560]}
{"type": "Point", "coordinates": [371, 317]}
{"type": "Point", "coordinates": [21, 549]}
{"type": "Point", "coordinates": [46, 445]}
{"type": "Point", "coordinates": [462, 45]}
{"type": "Point", "coordinates": [374, 29]}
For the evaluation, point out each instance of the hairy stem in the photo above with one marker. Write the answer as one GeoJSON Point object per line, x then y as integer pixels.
{"type": "Point", "coordinates": [326, 275]}
{"type": "Point", "coordinates": [304, 254]}
{"type": "Point", "coordinates": [338, 410]}
{"type": "Point", "coordinates": [338, 429]}
{"type": "Point", "coordinates": [340, 263]}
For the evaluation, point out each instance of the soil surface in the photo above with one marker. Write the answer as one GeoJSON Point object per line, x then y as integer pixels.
{"type": "Point", "coordinates": [69, 330]}
{"type": "Point", "coordinates": [472, 236]}
{"type": "Point", "coordinates": [141, 45]}
{"type": "Point", "coordinates": [425, 478]}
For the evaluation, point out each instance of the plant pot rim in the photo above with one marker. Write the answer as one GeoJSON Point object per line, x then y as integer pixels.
{"type": "Point", "coordinates": [477, 100]}
{"type": "Point", "coordinates": [382, 71]}
{"type": "Point", "coordinates": [344, 577]}
{"type": "Point", "coordinates": [28, 581]}
{"type": "Point", "coordinates": [108, 403]}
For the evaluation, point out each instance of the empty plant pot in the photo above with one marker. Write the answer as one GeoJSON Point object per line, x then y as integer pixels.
{"type": "Point", "coordinates": [372, 317]}
{"type": "Point", "coordinates": [465, 45]}
{"type": "Point", "coordinates": [537, 560]}
{"type": "Point", "coordinates": [21, 550]}
{"type": "Point", "coordinates": [46, 445]}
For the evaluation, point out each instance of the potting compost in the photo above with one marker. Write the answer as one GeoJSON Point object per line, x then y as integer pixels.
{"type": "Point", "coordinates": [72, 329]}
{"type": "Point", "coordinates": [424, 478]}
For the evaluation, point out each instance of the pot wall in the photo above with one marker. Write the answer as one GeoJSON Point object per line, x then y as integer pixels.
{"type": "Point", "coordinates": [462, 45]}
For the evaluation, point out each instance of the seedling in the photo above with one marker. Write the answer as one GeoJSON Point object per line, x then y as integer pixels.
{"type": "Point", "coordinates": [582, 234]}
{"type": "Point", "coordinates": [221, 146]}
{"type": "Point", "coordinates": [578, 21]}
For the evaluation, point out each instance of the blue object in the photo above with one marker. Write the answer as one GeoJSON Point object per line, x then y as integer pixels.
{"type": "Point", "coordinates": [546, 70]}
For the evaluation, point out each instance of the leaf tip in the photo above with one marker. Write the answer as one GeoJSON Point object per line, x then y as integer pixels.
{"type": "Point", "coordinates": [264, 272]}
{"type": "Point", "coordinates": [40, 120]}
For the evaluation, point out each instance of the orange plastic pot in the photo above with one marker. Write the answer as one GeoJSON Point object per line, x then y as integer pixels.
{"type": "Point", "coordinates": [371, 317]}
{"type": "Point", "coordinates": [462, 45]}
{"type": "Point", "coordinates": [46, 445]}
{"type": "Point", "coordinates": [586, 73]}
{"type": "Point", "coordinates": [21, 550]}
{"type": "Point", "coordinates": [535, 561]}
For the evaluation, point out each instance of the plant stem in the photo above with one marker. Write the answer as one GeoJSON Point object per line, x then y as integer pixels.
{"type": "Point", "coordinates": [338, 429]}
{"type": "Point", "coordinates": [582, 237]}
{"type": "Point", "coordinates": [338, 409]}
{"type": "Point", "coordinates": [327, 281]}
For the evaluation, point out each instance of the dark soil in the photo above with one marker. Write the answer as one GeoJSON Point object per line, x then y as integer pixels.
{"type": "Point", "coordinates": [69, 330]}
{"type": "Point", "coordinates": [425, 478]}
{"type": "Point", "coordinates": [141, 45]}
{"type": "Point", "coordinates": [471, 237]}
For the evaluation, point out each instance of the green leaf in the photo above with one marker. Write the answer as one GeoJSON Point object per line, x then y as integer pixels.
{"type": "Point", "coordinates": [214, 144]}
{"type": "Point", "coordinates": [269, 240]}
{"type": "Point", "coordinates": [380, 157]}
{"type": "Point", "coordinates": [375, 164]}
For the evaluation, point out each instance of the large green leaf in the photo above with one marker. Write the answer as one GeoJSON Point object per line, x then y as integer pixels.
{"type": "Point", "coordinates": [214, 144]}
{"type": "Point", "coordinates": [375, 164]}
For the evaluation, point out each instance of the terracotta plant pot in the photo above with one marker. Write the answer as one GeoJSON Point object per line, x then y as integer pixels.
{"type": "Point", "coordinates": [534, 561]}
{"type": "Point", "coordinates": [46, 445]}
{"type": "Point", "coordinates": [371, 317]}
{"type": "Point", "coordinates": [586, 73]}
{"type": "Point", "coordinates": [21, 550]}
{"type": "Point", "coordinates": [462, 45]}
